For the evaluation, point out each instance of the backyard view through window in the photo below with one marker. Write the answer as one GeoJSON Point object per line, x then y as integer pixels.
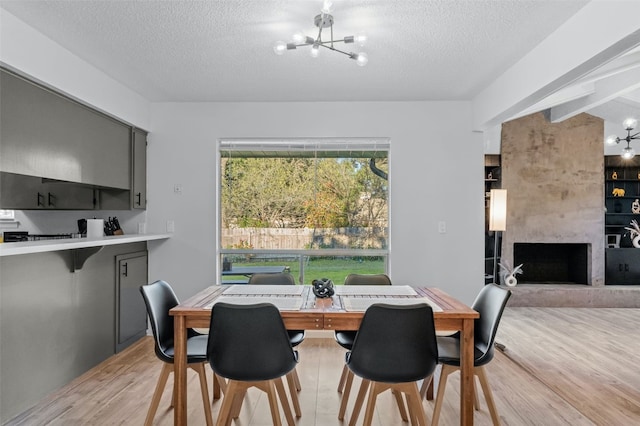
{"type": "Point", "coordinates": [315, 208]}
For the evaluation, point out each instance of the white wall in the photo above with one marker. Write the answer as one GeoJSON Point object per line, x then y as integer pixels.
{"type": "Point", "coordinates": [436, 169]}
{"type": "Point", "coordinates": [31, 53]}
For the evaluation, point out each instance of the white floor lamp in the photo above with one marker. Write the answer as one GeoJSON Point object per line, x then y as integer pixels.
{"type": "Point", "coordinates": [497, 222]}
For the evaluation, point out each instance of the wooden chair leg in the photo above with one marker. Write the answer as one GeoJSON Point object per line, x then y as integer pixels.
{"type": "Point", "coordinates": [444, 374]}
{"type": "Point", "coordinates": [238, 399]}
{"type": "Point", "coordinates": [362, 393]}
{"type": "Point", "coordinates": [426, 389]}
{"type": "Point", "coordinates": [343, 377]}
{"type": "Point", "coordinates": [204, 389]}
{"type": "Point", "coordinates": [345, 395]}
{"type": "Point", "coordinates": [375, 389]}
{"type": "Point", "coordinates": [400, 402]}
{"type": "Point", "coordinates": [279, 386]}
{"type": "Point", "coordinates": [273, 403]}
{"type": "Point", "coordinates": [476, 400]}
{"type": "Point", "coordinates": [294, 395]}
{"type": "Point", "coordinates": [488, 396]}
{"type": "Point", "coordinates": [414, 403]}
{"type": "Point", "coordinates": [294, 373]}
{"type": "Point", "coordinates": [157, 394]}
{"type": "Point", "coordinates": [224, 416]}
{"type": "Point", "coordinates": [219, 386]}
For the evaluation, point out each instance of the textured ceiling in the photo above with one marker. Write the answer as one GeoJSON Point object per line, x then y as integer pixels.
{"type": "Point", "coordinates": [222, 50]}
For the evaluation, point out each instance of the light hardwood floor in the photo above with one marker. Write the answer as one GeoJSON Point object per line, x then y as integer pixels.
{"type": "Point", "coordinates": [562, 366]}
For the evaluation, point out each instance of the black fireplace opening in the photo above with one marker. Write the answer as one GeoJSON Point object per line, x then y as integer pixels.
{"type": "Point", "coordinates": [549, 263]}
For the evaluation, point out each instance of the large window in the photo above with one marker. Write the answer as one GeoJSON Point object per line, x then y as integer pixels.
{"type": "Point", "coordinates": [318, 208]}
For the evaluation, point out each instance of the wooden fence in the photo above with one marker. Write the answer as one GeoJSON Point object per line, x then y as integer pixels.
{"type": "Point", "coordinates": [304, 238]}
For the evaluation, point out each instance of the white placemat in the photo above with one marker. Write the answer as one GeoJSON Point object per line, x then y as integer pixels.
{"type": "Point", "coordinates": [272, 289]}
{"type": "Point", "coordinates": [360, 304]}
{"type": "Point", "coordinates": [282, 303]}
{"type": "Point", "coordinates": [375, 290]}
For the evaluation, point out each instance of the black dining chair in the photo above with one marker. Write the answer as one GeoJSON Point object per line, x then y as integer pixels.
{"type": "Point", "coordinates": [345, 338]}
{"type": "Point", "coordinates": [295, 336]}
{"type": "Point", "coordinates": [394, 348]}
{"type": "Point", "coordinates": [249, 345]}
{"type": "Point", "coordinates": [159, 298]}
{"type": "Point", "coordinates": [490, 304]}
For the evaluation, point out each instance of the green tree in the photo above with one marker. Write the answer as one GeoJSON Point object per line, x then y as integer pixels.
{"type": "Point", "coordinates": [294, 192]}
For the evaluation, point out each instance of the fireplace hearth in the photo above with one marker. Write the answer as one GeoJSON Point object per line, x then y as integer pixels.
{"type": "Point", "coordinates": [549, 263]}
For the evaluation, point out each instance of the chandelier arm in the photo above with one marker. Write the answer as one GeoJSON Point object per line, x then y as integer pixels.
{"type": "Point", "coordinates": [319, 38]}
{"type": "Point", "coordinates": [331, 35]}
{"type": "Point", "coordinates": [333, 41]}
{"type": "Point", "coordinates": [636, 136]}
{"type": "Point", "coordinates": [349, 54]}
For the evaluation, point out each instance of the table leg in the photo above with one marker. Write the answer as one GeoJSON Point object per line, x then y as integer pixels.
{"type": "Point", "coordinates": [180, 370]}
{"type": "Point", "coordinates": [466, 373]}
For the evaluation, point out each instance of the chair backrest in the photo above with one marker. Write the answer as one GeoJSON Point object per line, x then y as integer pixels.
{"type": "Point", "coordinates": [490, 303]}
{"type": "Point", "coordinates": [159, 298]}
{"type": "Point", "coordinates": [284, 278]}
{"type": "Point", "coordinates": [367, 279]}
{"type": "Point", "coordinates": [395, 344]}
{"type": "Point", "coordinates": [249, 342]}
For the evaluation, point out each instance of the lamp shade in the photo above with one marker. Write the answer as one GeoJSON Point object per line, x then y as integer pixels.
{"type": "Point", "coordinates": [498, 210]}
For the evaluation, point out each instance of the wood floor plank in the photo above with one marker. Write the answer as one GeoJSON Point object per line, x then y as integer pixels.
{"type": "Point", "coordinates": [561, 366]}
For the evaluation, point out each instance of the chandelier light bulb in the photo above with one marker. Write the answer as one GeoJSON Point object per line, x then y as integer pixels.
{"type": "Point", "coordinates": [299, 38]}
{"type": "Point", "coordinates": [630, 124]}
{"type": "Point", "coordinates": [628, 153]}
{"type": "Point", "coordinates": [280, 47]}
{"type": "Point", "coordinates": [326, 6]}
{"type": "Point", "coordinates": [611, 140]}
{"type": "Point", "coordinates": [315, 50]}
{"type": "Point", "coordinates": [362, 59]}
{"type": "Point", "coordinates": [360, 39]}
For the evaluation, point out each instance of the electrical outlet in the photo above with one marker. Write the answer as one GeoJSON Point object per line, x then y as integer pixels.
{"type": "Point", "coordinates": [442, 227]}
{"type": "Point", "coordinates": [177, 188]}
{"type": "Point", "coordinates": [171, 227]}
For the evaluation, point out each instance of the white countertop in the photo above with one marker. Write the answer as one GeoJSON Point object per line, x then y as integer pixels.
{"type": "Point", "coordinates": [26, 247]}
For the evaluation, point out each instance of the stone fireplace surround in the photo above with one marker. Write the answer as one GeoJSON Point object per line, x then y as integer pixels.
{"type": "Point", "coordinates": [553, 173]}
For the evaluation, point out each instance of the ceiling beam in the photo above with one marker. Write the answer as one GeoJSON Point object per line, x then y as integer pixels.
{"type": "Point", "coordinates": [606, 90]}
{"type": "Point", "coordinates": [558, 98]}
{"type": "Point", "coordinates": [583, 44]}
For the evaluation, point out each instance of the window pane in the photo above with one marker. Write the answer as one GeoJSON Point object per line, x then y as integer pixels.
{"type": "Point", "coordinates": [283, 199]}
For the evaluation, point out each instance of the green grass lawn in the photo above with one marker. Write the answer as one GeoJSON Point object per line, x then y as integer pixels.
{"type": "Point", "coordinates": [336, 269]}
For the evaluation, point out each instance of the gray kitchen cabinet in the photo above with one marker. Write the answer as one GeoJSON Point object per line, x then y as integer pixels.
{"type": "Point", "coordinates": [131, 314]}
{"type": "Point", "coordinates": [34, 193]}
{"type": "Point", "coordinates": [49, 135]}
{"type": "Point", "coordinates": [139, 184]}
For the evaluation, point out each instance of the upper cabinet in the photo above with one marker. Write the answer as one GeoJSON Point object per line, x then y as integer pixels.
{"type": "Point", "coordinates": [59, 154]}
{"type": "Point", "coordinates": [139, 184]}
{"type": "Point", "coordinates": [47, 135]}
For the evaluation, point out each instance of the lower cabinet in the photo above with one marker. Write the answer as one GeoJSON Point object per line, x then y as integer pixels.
{"type": "Point", "coordinates": [622, 266]}
{"type": "Point", "coordinates": [57, 324]}
{"type": "Point", "coordinates": [131, 314]}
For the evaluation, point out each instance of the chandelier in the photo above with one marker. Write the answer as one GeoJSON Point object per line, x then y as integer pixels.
{"type": "Point", "coordinates": [627, 152]}
{"type": "Point", "coordinates": [322, 21]}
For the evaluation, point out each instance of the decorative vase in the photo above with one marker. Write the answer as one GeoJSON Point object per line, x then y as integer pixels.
{"type": "Point", "coordinates": [510, 281]}
{"type": "Point", "coordinates": [636, 241]}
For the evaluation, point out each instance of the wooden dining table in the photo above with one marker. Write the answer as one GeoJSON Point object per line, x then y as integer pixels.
{"type": "Point", "coordinates": [313, 313]}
